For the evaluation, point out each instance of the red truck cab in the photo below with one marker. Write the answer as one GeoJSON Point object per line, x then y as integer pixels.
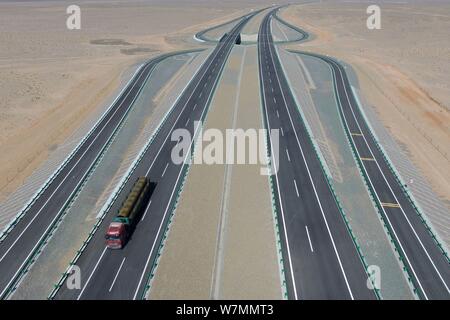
{"type": "Point", "coordinates": [115, 235]}
{"type": "Point", "coordinates": [121, 227]}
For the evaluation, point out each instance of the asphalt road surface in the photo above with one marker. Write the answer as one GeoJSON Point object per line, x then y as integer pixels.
{"type": "Point", "coordinates": [123, 274]}
{"type": "Point", "coordinates": [428, 267]}
{"type": "Point", "coordinates": [320, 257]}
{"type": "Point", "coordinates": [25, 239]}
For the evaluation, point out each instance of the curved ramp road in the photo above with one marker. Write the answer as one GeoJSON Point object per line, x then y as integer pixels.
{"type": "Point", "coordinates": [320, 257]}
{"type": "Point", "coordinates": [429, 268]}
{"type": "Point", "coordinates": [25, 239]}
{"type": "Point", "coordinates": [201, 34]}
{"type": "Point", "coordinates": [123, 274]}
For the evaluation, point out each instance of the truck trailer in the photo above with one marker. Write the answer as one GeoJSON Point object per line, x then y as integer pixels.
{"type": "Point", "coordinates": [123, 224]}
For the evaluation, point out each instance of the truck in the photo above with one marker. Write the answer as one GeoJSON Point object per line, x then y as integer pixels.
{"type": "Point", "coordinates": [123, 224]}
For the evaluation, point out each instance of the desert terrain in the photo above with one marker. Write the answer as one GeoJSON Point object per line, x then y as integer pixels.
{"type": "Point", "coordinates": [52, 78]}
{"type": "Point", "coordinates": [402, 68]}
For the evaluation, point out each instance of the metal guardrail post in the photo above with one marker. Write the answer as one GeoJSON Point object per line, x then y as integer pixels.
{"type": "Point", "coordinates": [122, 184]}
{"type": "Point", "coordinates": [327, 179]}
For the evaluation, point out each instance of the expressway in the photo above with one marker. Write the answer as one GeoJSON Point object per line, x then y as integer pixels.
{"type": "Point", "coordinates": [124, 274]}
{"type": "Point", "coordinates": [23, 241]}
{"type": "Point", "coordinates": [320, 258]}
{"type": "Point", "coordinates": [428, 267]}
{"type": "Point", "coordinates": [201, 34]}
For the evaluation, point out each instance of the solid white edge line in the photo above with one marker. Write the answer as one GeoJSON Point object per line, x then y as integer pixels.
{"type": "Point", "coordinates": [278, 184]}
{"type": "Point", "coordinates": [395, 197]}
{"type": "Point", "coordinates": [139, 157]}
{"type": "Point", "coordinates": [378, 198]}
{"type": "Point", "coordinates": [66, 176]}
{"type": "Point", "coordinates": [52, 176]}
{"type": "Point", "coordinates": [313, 185]}
{"type": "Point", "coordinates": [179, 115]}
{"type": "Point", "coordinates": [70, 196]}
{"type": "Point", "coordinates": [182, 110]}
{"type": "Point", "coordinates": [144, 148]}
{"type": "Point", "coordinates": [178, 178]}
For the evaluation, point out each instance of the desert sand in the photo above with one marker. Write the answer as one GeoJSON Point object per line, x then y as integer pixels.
{"type": "Point", "coordinates": [402, 68]}
{"type": "Point", "coordinates": [52, 78]}
{"type": "Point", "coordinates": [208, 245]}
{"type": "Point", "coordinates": [190, 248]}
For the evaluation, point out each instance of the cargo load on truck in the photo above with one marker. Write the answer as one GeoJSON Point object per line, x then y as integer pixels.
{"type": "Point", "coordinates": [129, 213]}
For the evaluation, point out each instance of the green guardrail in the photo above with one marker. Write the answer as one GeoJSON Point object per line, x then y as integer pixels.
{"type": "Point", "coordinates": [372, 193]}
{"type": "Point", "coordinates": [175, 202]}
{"type": "Point", "coordinates": [403, 188]}
{"type": "Point", "coordinates": [22, 212]}
{"type": "Point", "coordinates": [121, 185]}
{"type": "Point", "coordinates": [402, 185]}
{"type": "Point", "coordinates": [375, 200]}
{"type": "Point", "coordinates": [330, 185]}
{"type": "Point", "coordinates": [274, 197]}
{"type": "Point", "coordinates": [163, 238]}
{"type": "Point", "coordinates": [72, 197]}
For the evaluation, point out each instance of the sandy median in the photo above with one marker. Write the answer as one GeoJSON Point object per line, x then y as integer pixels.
{"type": "Point", "coordinates": [250, 266]}
{"type": "Point", "coordinates": [187, 263]}
{"type": "Point", "coordinates": [209, 253]}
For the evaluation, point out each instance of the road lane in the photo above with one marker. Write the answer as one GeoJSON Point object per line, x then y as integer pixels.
{"type": "Point", "coordinates": [429, 268]}
{"type": "Point", "coordinates": [23, 241]}
{"type": "Point", "coordinates": [142, 249]}
{"type": "Point", "coordinates": [309, 213]}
